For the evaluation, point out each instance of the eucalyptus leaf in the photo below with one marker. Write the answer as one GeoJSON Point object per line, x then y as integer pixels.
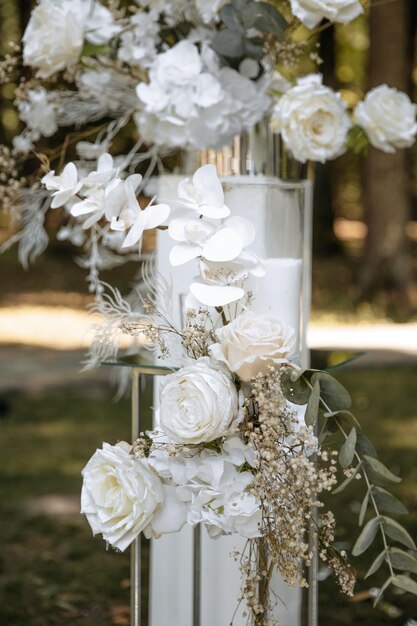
{"type": "Point", "coordinates": [229, 43]}
{"type": "Point", "coordinates": [376, 564]}
{"type": "Point", "coordinates": [346, 482]}
{"type": "Point", "coordinates": [406, 583]}
{"type": "Point", "coordinates": [395, 531]}
{"type": "Point", "coordinates": [378, 473]}
{"type": "Point", "coordinates": [296, 390]}
{"type": "Point", "coordinates": [364, 446]}
{"type": "Point", "coordinates": [364, 508]}
{"type": "Point", "coordinates": [334, 396]}
{"type": "Point", "coordinates": [230, 17]}
{"type": "Point", "coordinates": [366, 537]}
{"type": "Point", "coordinates": [403, 560]}
{"type": "Point", "coordinates": [269, 19]}
{"type": "Point", "coordinates": [254, 48]}
{"type": "Point", "coordinates": [347, 451]}
{"type": "Point", "coordinates": [387, 502]}
{"type": "Point", "coordinates": [313, 405]}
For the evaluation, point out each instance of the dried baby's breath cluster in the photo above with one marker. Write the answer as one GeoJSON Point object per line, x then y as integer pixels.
{"type": "Point", "coordinates": [9, 63]}
{"type": "Point", "coordinates": [198, 333]}
{"type": "Point", "coordinates": [10, 180]}
{"type": "Point", "coordinates": [291, 472]}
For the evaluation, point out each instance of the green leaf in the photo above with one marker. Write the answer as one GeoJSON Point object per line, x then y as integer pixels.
{"type": "Point", "coordinates": [366, 537]}
{"type": "Point", "coordinates": [363, 508]}
{"type": "Point", "coordinates": [346, 482]}
{"type": "Point", "coordinates": [381, 591]}
{"type": "Point", "coordinates": [387, 502]}
{"type": "Point", "coordinates": [229, 43]}
{"type": "Point", "coordinates": [376, 564]}
{"type": "Point", "coordinates": [91, 49]}
{"type": "Point", "coordinates": [364, 446]}
{"type": "Point", "coordinates": [267, 18]}
{"type": "Point", "coordinates": [347, 451]}
{"type": "Point", "coordinates": [395, 531]}
{"type": "Point", "coordinates": [254, 48]}
{"type": "Point", "coordinates": [403, 560]}
{"type": "Point", "coordinates": [334, 396]}
{"type": "Point", "coordinates": [406, 583]}
{"type": "Point", "coordinates": [343, 416]}
{"type": "Point", "coordinates": [378, 473]}
{"type": "Point", "coordinates": [294, 387]}
{"type": "Point", "coordinates": [230, 17]}
{"type": "Point", "coordinates": [313, 405]}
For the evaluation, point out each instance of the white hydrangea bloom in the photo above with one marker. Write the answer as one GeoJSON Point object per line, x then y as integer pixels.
{"type": "Point", "coordinates": [313, 120]}
{"type": "Point", "coordinates": [190, 102]}
{"type": "Point", "coordinates": [388, 117]}
{"type": "Point", "coordinates": [215, 489]}
{"type": "Point", "coordinates": [311, 12]}
{"type": "Point", "coordinates": [138, 43]}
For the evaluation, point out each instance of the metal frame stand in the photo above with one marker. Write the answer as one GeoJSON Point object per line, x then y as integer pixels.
{"type": "Point", "coordinates": [139, 616]}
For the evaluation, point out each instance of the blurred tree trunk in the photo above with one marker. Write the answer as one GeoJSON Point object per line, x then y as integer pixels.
{"type": "Point", "coordinates": [325, 242]}
{"type": "Point", "coordinates": [386, 187]}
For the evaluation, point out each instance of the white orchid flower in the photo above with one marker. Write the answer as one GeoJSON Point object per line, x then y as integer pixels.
{"type": "Point", "coordinates": [197, 238]}
{"type": "Point", "coordinates": [64, 186]}
{"type": "Point", "coordinates": [151, 217]}
{"type": "Point", "coordinates": [215, 295]}
{"type": "Point", "coordinates": [104, 173]}
{"type": "Point", "coordinates": [204, 194]}
{"type": "Point", "coordinates": [121, 205]}
{"type": "Point", "coordinates": [94, 203]}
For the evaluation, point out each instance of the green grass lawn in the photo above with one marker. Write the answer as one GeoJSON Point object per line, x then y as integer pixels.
{"type": "Point", "coordinates": [52, 572]}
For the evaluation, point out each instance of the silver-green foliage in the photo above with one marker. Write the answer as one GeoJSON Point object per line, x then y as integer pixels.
{"type": "Point", "coordinates": [328, 404]}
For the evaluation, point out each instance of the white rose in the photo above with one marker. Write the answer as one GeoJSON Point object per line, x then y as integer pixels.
{"type": "Point", "coordinates": [311, 12]}
{"type": "Point", "coordinates": [313, 121]}
{"type": "Point", "coordinates": [252, 343]}
{"type": "Point", "coordinates": [54, 36]}
{"type": "Point", "coordinates": [199, 403]}
{"type": "Point", "coordinates": [121, 497]}
{"type": "Point", "coordinates": [388, 117]}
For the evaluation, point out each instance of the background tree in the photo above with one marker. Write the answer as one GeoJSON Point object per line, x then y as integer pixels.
{"type": "Point", "coordinates": [387, 188]}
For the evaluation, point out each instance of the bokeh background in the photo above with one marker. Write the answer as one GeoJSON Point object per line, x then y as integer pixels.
{"type": "Point", "coordinates": [52, 416]}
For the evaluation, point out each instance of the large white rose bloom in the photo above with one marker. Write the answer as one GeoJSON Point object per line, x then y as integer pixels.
{"type": "Point", "coordinates": [311, 12]}
{"type": "Point", "coordinates": [121, 497]}
{"type": "Point", "coordinates": [54, 37]}
{"type": "Point", "coordinates": [313, 120]}
{"type": "Point", "coordinates": [388, 117]}
{"type": "Point", "coordinates": [199, 403]}
{"type": "Point", "coordinates": [252, 343]}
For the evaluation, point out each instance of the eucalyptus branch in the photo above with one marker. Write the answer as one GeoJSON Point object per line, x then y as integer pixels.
{"type": "Point", "coordinates": [320, 391]}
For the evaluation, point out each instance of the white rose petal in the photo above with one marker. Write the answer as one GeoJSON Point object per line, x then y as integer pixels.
{"type": "Point", "coordinates": [311, 12]}
{"type": "Point", "coordinates": [388, 117]}
{"type": "Point", "coordinates": [252, 343]}
{"type": "Point", "coordinates": [199, 403]}
{"type": "Point", "coordinates": [313, 120]}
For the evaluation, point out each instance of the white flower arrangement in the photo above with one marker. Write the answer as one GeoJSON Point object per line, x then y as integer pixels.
{"type": "Point", "coordinates": [230, 449]}
{"type": "Point", "coordinates": [182, 75]}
